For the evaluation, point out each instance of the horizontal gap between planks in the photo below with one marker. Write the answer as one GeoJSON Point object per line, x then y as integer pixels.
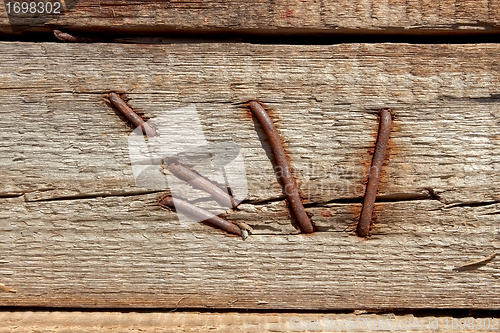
{"type": "Point", "coordinates": [279, 36]}
{"type": "Point", "coordinates": [457, 313]}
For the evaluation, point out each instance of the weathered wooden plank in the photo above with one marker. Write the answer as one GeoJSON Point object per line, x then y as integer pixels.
{"type": "Point", "coordinates": [31, 322]}
{"type": "Point", "coordinates": [126, 251]}
{"type": "Point", "coordinates": [77, 231]}
{"type": "Point", "coordinates": [284, 16]}
{"type": "Point", "coordinates": [60, 139]}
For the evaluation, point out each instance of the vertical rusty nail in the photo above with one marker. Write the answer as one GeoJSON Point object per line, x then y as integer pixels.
{"type": "Point", "coordinates": [195, 180]}
{"type": "Point", "coordinates": [374, 174]}
{"type": "Point", "coordinates": [200, 213]}
{"type": "Point", "coordinates": [122, 106]}
{"type": "Point", "coordinates": [290, 187]}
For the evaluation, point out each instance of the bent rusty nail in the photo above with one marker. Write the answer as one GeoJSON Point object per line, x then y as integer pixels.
{"type": "Point", "coordinates": [122, 106]}
{"type": "Point", "coordinates": [195, 180]}
{"type": "Point", "coordinates": [200, 213]}
{"type": "Point", "coordinates": [374, 174]}
{"type": "Point", "coordinates": [65, 37]}
{"type": "Point", "coordinates": [290, 187]}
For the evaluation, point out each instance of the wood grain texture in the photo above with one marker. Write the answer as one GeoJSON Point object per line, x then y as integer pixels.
{"type": "Point", "coordinates": [76, 231]}
{"type": "Point", "coordinates": [125, 251]}
{"type": "Point", "coordinates": [59, 322]}
{"type": "Point", "coordinates": [445, 142]}
{"type": "Point", "coordinates": [283, 16]}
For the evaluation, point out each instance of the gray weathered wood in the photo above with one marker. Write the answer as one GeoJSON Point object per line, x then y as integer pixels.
{"type": "Point", "coordinates": [75, 230]}
{"type": "Point", "coordinates": [60, 139]}
{"type": "Point", "coordinates": [284, 16]}
{"type": "Point", "coordinates": [75, 321]}
{"type": "Point", "coordinates": [126, 251]}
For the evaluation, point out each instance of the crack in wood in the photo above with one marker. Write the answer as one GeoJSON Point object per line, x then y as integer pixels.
{"type": "Point", "coordinates": [471, 204]}
{"type": "Point", "coordinates": [87, 196]}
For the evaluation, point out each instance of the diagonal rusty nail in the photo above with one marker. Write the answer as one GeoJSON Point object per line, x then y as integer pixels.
{"type": "Point", "coordinates": [65, 37]}
{"type": "Point", "coordinates": [290, 187]}
{"type": "Point", "coordinates": [374, 174]}
{"type": "Point", "coordinates": [197, 181]}
{"type": "Point", "coordinates": [200, 213]}
{"type": "Point", "coordinates": [122, 106]}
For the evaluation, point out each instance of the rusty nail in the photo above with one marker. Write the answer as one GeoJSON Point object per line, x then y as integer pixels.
{"type": "Point", "coordinates": [122, 106]}
{"type": "Point", "coordinates": [290, 187]}
{"type": "Point", "coordinates": [65, 37]}
{"type": "Point", "coordinates": [200, 213]}
{"type": "Point", "coordinates": [195, 180]}
{"type": "Point", "coordinates": [374, 174]}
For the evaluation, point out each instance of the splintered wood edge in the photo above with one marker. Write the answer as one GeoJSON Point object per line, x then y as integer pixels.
{"type": "Point", "coordinates": [6, 289]}
{"type": "Point", "coordinates": [478, 262]}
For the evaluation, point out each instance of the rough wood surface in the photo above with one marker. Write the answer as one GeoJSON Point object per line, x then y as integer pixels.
{"type": "Point", "coordinates": [61, 139]}
{"type": "Point", "coordinates": [125, 251]}
{"type": "Point", "coordinates": [75, 230]}
{"type": "Point", "coordinates": [59, 322]}
{"type": "Point", "coordinates": [283, 16]}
